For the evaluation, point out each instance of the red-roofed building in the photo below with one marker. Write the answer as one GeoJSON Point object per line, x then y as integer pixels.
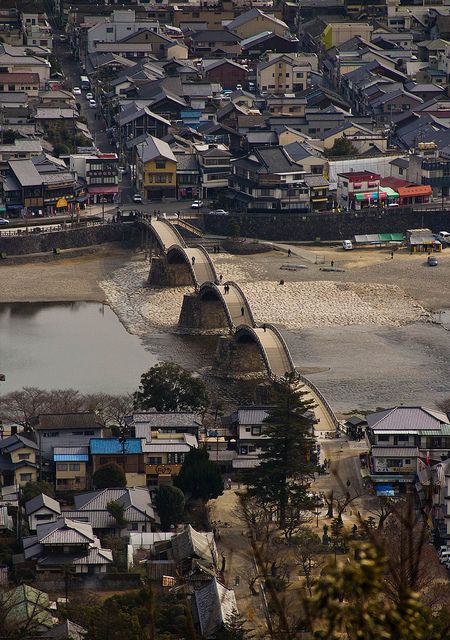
{"type": "Point", "coordinates": [358, 189]}
{"type": "Point", "coordinates": [409, 192]}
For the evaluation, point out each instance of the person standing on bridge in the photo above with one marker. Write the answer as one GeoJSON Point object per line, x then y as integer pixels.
{"type": "Point", "coordinates": [220, 278]}
{"type": "Point", "coordinates": [193, 260]}
{"type": "Point", "coordinates": [242, 311]}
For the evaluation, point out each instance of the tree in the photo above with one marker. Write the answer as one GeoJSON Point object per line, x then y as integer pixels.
{"type": "Point", "coordinates": [117, 510]}
{"type": "Point", "coordinates": [33, 489]}
{"type": "Point", "coordinates": [169, 387]}
{"type": "Point", "coordinates": [200, 477]}
{"type": "Point", "coordinates": [234, 629]}
{"type": "Point", "coordinates": [61, 149]}
{"type": "Point", "coordinates": [337, 535]}
{"type": "Point", "coordinates": [342, 147]}
{"type": "Point", "coordinates": [109, 476]}
{"type": "Point", "coordinates": [169, 503]}
{"type": "Point", "coordinates": [298, 511]}
{"type": "Point", "coordinates": [287, 451]}
{"type": "Point", "coordinates": [307, 549]}
{"type": "Point", "coordinates": [9, 136]}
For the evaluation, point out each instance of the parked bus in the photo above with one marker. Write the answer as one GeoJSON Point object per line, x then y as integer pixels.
{"type": "Point", "coordinates": [85, 84]}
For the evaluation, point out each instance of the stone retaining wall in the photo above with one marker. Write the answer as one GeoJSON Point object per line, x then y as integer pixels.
{"type": "Point", "coordinates": [67, 239]}
{"type": "Point", "coordinates": [326, 226]}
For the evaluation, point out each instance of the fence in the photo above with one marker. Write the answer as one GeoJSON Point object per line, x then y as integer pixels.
{"type": "Point", "coordinates": [36, 229]}
{"type": "Point", "coordinates": [322, 398]}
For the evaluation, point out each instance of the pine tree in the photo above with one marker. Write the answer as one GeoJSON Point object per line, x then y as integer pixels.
{"type": "Point", "coordinates": [287, 451]}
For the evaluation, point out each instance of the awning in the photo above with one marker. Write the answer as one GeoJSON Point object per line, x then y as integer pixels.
{"type": "Point", "coordinates": [372, 195]}
{"type": "Point", "coordinates": [385, 490]}
{"type": "Point", "coordinates": [391, 193]}
{"type": "Point", "coordinates": [419, 190]}
{"type": "Point", "coordinates": [96, 190]}
{"type": "Point", "coordinates": [61, 202]}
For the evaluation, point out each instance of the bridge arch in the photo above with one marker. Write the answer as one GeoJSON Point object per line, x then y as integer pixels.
{"type": "Point", "coordinates": [233, 299]}
{"type": "Point", "coordinates": [196, 259]}
{"type": "Point", "coordinates": [271, 346]}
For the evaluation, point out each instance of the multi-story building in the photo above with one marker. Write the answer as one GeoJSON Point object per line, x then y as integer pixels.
{"type": "Point", "coordinates": [100, 171]}
{"type": "Point", "coordinates": [71, 468]}
{"type": "Point", "coordinates": [37, 30]}
{"type": "Point", "coordinates": [128, 454]}
{"type": "Point", "coordinates": [18, 460]}
{"type": "Point", "coordinates": [214, 163]}
{"type": "Point", "coordinates": [11, 27]}
{"type": "Point", "coordinates": [268, 179]}
{"type": "Point", "coordinates": [56, 430]}
{"type": "Point", "coordinates": [285, 73]}
{"type": "Point", "coordinates": [358, 189]}
{"type": "Point", "coordinates": [402, 439]}
{"type": "Point", "coordinates": [156, 169]}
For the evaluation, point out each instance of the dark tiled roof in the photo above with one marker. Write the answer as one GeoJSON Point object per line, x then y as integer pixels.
{"type": "Point", "coordinates": [86, 419]}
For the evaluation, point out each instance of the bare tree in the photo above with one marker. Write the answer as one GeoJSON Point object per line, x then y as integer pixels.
{"type": "Point", "coordinates": [308, 548]}
{"type": "Point", "coordinates": [383, 509]}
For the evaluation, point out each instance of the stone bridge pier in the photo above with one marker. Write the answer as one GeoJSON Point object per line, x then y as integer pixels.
{"type": "Point", "coordinates": [165, 274]}
{"type": "Point", "coordinates": [238, 359]}
{"type": "Point", "coordinates": [202, 313]}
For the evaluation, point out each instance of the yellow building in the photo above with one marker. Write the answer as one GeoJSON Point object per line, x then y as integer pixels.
{"type": "Point", "coordinates": [156, 169]}
{"type": "Point", "coordinates": [336, 33]}
{"type": "Point", "coordinates": [71, 468]}
{"type": "Point", "coordinates": [254, 21]}
{"type": "Point", "coordinates": [18, 454]}
{"type": "Point", "coordinates": [164, 454]}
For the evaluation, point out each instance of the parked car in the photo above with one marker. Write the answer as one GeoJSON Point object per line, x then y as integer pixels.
{"type": "Point", "coordinates": [443, 237]}
{"type": "Point", "coordinates": [76, 91]}
{"type": "Point", "coordinates": [197, 204]}
{"type": "Point", "coordinates": [238, 87]}
{"type": "Point", "coordinates": [218, 212]}
{"type": "Point", "coordinates": [137, 198]}
{"type": "Point", "coordinates": [4, 221]}
{"type": "Point", "coordinates": [432, 261]}
{"type": "Point", "coordinates": [347, 245]}
{"type": "Point", "coordinates": [89, 96]}
{"type": "Point", "coordinates": [92, 104]}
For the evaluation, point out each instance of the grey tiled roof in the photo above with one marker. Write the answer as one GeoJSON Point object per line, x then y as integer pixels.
{"type": "Point", "coordinates": [396, 452]}
{"type": "Point", "coordinates": [64, 531]}
{"type": "Point", "coordinates": [194, 544]}
{"type": "Point", "coordinates": [215, 604]}
{"type": "Point", "coordinates": [42, 501]}
{"type": "Point", "coordinates": [131, 498]}
{"type": "Point", "coordinates": [86, 419]}
{"type": "Point", "coordinates": [166, 419]}
{"type": "Point", "coordinates": [405, 418]}
{"type": "Point", "coordinates": [251, 415]}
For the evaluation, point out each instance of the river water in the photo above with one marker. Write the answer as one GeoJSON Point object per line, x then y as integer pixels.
{"type": "Point", "coordinates": [79, 345]}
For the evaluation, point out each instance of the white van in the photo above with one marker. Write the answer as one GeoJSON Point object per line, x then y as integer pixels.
{"type": "Point", "coordinates": [347, 245]}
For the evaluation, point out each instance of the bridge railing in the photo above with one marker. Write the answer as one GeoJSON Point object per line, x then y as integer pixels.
{"type": "Point", "coordinates": [322, 398]}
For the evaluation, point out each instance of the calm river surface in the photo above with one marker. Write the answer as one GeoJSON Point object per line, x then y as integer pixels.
{"type": "Point", "coordinates": [81, 345]}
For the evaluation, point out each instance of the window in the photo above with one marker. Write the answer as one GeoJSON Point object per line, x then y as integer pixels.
{"type": "Point", "coordinates": [109, 29]}
{"type": "Point", "coordinates": [24, 456]}
{"type": "Point", "coordinates": [394, 462]}
{"type": "Point", "coordinates": [74, 466]}
{"type": "Point", "coordinates": [243, 451]}
{"type": "Point", "coordinates": [256, 431]}
{"type": "Point", "coordinates": [133, 526]}
{"type": "Point", "coordinates": [61, 467]}
{"type": "Point", "coordinates": [43, 516]}
{"type": "Point", "coordinates": [247, 429]}
{"type": "Point", "coordinates": [26, 477]}
{"type": "Point", "coordinates": [383, 438]}
{"type": "Point", "coordinates": [155, 460]}
{"type": "Point", "coordinates": [160, 179]}
{"type": "Point", "coordinates": [407, 461]}
{"type": "Point", "coordinates": [160, 164]}
{"type": "Point", "coordinates": [403, 438]}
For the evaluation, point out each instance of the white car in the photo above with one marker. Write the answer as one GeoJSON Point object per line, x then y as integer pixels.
{"type": "Point", "coordinates": [76, 91]}
{"type": "Point", "coordinates": [137, 198]}
{"type": "Point", "coordinates": [197, 204]}
{"type": "Point", "coordinates": [218, 212]}
{"type": "Point", "coordinates": [444, 237]}
{"type": "Point", "coordinates": [89, 96]}
{"type": "Point", "coordinates": [92, 104]}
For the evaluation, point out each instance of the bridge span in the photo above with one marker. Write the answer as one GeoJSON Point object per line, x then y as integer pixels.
{"type": "Point", "coordinates": [236, 312]}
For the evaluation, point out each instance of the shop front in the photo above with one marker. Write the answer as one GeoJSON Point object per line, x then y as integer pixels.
{"type": "Point", "coordinates": [99, 194]}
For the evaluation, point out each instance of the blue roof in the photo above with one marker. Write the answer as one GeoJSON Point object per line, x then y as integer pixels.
{"type": "Point", "coordinates": [112, 445]}
{"type": "Point", "coordinates": [70, 457]}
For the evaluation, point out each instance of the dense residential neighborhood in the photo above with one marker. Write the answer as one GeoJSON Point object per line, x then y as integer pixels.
{"type": "Point", "coordinates": [224, 397]}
